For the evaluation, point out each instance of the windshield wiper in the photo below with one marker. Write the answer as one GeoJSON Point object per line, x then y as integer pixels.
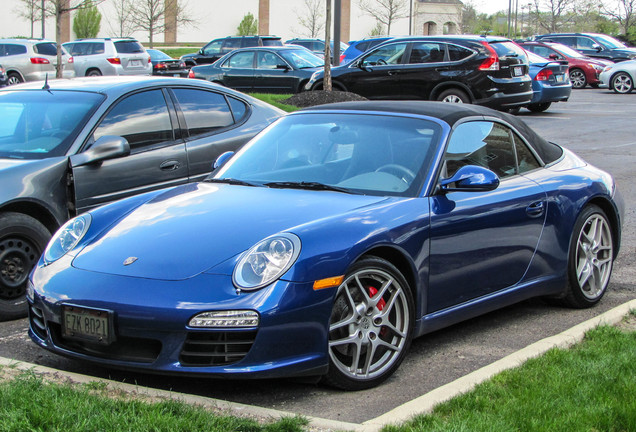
{"type": "Point", "coordinates": [232, 182]}
{"type": "Point", "coordinates": [306, 185]}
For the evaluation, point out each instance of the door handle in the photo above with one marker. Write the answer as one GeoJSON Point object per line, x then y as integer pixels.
{"type": "Point", "coordinates": [535, 209]}
{"type": "Point", "coordinates": [393, 73]}
{"type": "Point", "coordinates": [169, 165]}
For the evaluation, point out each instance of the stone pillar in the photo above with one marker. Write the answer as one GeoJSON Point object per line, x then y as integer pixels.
{"type": "Point", "coordinates": [65, 21]}
{"type": "Point", "coordinates": [170, 17]}
{"type": "Point", "coordinates": [263, 17]}
{"type": "Point", "coordinates": [345, 23]}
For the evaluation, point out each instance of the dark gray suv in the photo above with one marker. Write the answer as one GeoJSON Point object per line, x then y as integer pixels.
{"type": "Point", "coordinates": [593, 45]}
{"type": "Point", "coordinates": [78, 144]}
{"type": "Point", "coordinates": [217, 48]}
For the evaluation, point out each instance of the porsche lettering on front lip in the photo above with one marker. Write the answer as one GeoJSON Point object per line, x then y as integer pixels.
{"type": "Point", "coordinates": [130, 260]}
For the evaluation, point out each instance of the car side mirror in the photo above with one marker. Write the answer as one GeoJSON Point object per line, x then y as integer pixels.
{"type": "Point", "coordinates": [283, 67]}
{"type": "Point", "coordinates": [553, 57]}
{"type": "Point", "coordinates": [106, 147]}
{"type": "Point", "coordinates": [201, 51]}
{"type": "Point", "coordinates": [220, 161]}
{"type": "Point", "coordinates": [597, 47]}
{"type": "Point", "coordinates": [470, 178]}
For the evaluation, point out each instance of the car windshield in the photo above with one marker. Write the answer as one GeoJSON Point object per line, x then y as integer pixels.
{"type": "Point", "coordinates": [301, 58]}
{"type": "Point", "coordinates": [566, 50]}
{"type": "Point", "coordinates": [357, 153]}
{"type": "Point", "coordinates": [37, 124]}
{"type": "Point", "coordinates": [610, 42]}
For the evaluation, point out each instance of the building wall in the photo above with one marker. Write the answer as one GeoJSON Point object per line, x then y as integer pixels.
{"type": "Point", "coordinates": [433, 18]}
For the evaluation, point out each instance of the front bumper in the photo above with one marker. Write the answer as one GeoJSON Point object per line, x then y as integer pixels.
{"type": "Point", "coordinates": [150, 324]}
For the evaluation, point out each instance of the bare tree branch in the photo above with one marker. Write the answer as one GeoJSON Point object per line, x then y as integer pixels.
{"type": "Point", "coordinates": [385, 11]}
{"type": "Point", "coordinates": [624, 13]}
{"type": "Point", "coordinates": [311, 18]}
{"type": "Point", "coordinates": [150, 16]}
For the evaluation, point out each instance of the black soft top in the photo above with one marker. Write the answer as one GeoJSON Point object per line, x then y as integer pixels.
{"type": "Point", "coordinates": [451, 114]}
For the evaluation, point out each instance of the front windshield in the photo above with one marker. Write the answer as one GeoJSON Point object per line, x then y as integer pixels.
{"type": "Point", "coordinates": [610, 42]}
{"type": "Point", "coordinates": [359, 153]}
{"type": "Point", "coordinates": [37, 124]}
{"type": "Point", "coordinates": [302, 58]}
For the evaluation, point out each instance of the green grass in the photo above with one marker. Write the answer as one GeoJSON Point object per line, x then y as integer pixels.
{"type": "Point", "coordinates": [178, 52]}
{"type": "Point", "coordinates": [274, 99]}
{"type": "Point", "coordinates": [591, 387]}
{"type": "Point", "coordinates": [27, 403]}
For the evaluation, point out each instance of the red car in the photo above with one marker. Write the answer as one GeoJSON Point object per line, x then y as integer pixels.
{"type": "Point", "coordinates": [583, 70]}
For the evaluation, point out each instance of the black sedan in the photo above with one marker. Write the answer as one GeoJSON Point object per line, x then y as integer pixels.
{"type": "Point", "coordinates": [3, 77]}
{"type": "Point", "coordinates": [163, 64]}
{"type": "Point", "coordinates": [262, 69]}
{"type": "Point", "coordinates": [73, 145]}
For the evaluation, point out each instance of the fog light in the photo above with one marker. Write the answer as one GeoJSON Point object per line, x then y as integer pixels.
{"type": "Point", "coordinates": [30, 291]}
{"type": "Point", "coordinates": [225, 319]}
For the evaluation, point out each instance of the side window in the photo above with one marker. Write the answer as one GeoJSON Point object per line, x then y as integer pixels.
{"type": "Point", "coordinates": [141, 118]}
{"type": "Point", "coordinates": [268, 60]}
{"type": "Point", "coordinates": [239, 109]}
{"type": "Point", "coordinates": [526, 161]}
{"type": "Point", "coordinates": [230, 45]}
{"type": "Point", "coordinates": [97, 48]}
{"type": "Point", "coordinates": [427, 52]}
{"type": "Point", "coordinates": [481, 143]}
{"type": "Point", "coordinates": [212, 48]}
{"type": "Point", "coordinates": [585, 43]}
{"type": "Point", "coordinates": [456, 53]}
{"type": "Point", "coordinates": [79, 49]}
{"type": "Point", "coordinates": [242, 60]}
{"type": "Point", "coordinates": [363, 46]}
{"type": "Point", "coordinates": [565, 40]}
{"type": "Point", "coordinates": [387, 54]}
{"type": "Point", "coordinates": [12, 49]}
{"type": "Point", "coordinates": [204, 111]}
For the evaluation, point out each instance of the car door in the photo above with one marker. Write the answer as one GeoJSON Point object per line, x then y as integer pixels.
{"type": "Point", "coordinates": [427, 66]}
{"type": "Point", "coordinates": [483, 242]}
{"type": "Point", "coordinates": [238, 71]}
{"type": "Point", "coordinates": [375, 75]}
{"type": "Point", "coordinates": [157, 157]}
{"type": "Point", "coordinates": [590, 47]}
{"type": "Point", "coordinates": [273, 74]}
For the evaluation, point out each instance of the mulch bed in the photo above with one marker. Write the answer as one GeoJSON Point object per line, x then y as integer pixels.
{"type": "Point", "coordinates": [319, 97]}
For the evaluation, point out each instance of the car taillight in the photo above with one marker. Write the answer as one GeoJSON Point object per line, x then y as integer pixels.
{"type": "Point", "coordinates": [341, 58]}
{"type": "Point", "coordinates": [543, 75]}
{"type": "Point", "coordinates": [160, 65]}
{"type": "Point", "coordinates": [492, 62]}
{"type": "Point", "coordinates": [149, 60]}
{"type": "Point", "coordinates": [190, 74]}
{"type": "Point", "coordinates": [39, 60]}
{"type": "Point", "coordinates": [70, 60]}
{"type": "Point", "coordinates": [182, 65]}
{"type": "Point", "coordinates": [114, 60]}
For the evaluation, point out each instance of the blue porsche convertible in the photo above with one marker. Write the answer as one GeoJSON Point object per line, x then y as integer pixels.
{"type": "Point", "coordinates": [327, 243]}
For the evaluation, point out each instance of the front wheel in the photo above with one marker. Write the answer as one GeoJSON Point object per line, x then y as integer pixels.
{"type": "Point", "coordinates": [539, 107]}
{"type": "Point", "coordinates": [453, 96]}
{"type": "Point", "coordinates": [371, 325]}
{"type": "Point", "coordinates": [591, 258]}
{"type": "Point", "coordinates": [577, 77]}
{"type": "Point", "coordinates": [622, 83]}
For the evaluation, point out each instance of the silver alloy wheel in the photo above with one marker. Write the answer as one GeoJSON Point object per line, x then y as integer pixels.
{"type": "Point", "coordinates": [594, 254]}
{"type": "Point", "coordinates": [577, 77]}
{"type": "Point", "coordinates": [451, 98]}
{"type": "Point", "coordinates": [369, 325]}
{"type": "Point", "coordinates": [13, 79]}
{"type": "Point", "coordinates": [622, 83]}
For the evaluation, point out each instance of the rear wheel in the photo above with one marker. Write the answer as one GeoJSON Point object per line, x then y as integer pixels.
{"type": "Point", "coordinates": [22, 240]}
{"type": "Point", "coordinates": [93, 73]}
{"type": "Point", "coordinates": [453, 95]}
{"type": "Point", "coordinates": [622, 83]}
{"type": "Point", "coordinates": [14, 78]}
{"type": "Point", "coordinates": [577, 77]}
{"type": "Point", "coordinates": [539, 107]}
{"type": "Point", "coordinates": [371, 325]}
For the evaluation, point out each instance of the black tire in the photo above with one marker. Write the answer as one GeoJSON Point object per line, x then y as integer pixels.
{"type": "Point", "coordinates": [577, 78]}
{"type": "Point", "coordinates": [14, 78]}
{"type": "Point", "coordinates": [93, 73]}
{"type": "Point", "coordinates": [590, 260]}
{"type": "Point", "coordinates": [622, 83]}
{"type": "Point", "coordinates": [514, 111]}
{"type": "Point", "coordinates": [539, 107]}
{"type": "Point", "coordinates": [358, 325]}
{"type": "Point", "coordinates": [453, 95]}
{"type": "Point", "coordinates": [22, 241]}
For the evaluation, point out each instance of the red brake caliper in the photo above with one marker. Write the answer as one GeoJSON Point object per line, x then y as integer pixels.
{"type": "Point", "coordinates": [380, 305]}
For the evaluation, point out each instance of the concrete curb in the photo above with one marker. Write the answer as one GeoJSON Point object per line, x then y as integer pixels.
{"type": "Point", "coordinates": [421, 405]}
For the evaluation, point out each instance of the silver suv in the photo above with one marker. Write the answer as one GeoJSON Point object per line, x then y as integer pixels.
{"type": "Point", "coordinates": [32, 60]}
{"type": "Point", "coordinates": [109, 56]}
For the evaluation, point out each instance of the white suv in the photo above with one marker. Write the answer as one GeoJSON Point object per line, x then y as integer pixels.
{"type": "Point", "coordinates": [32, 60]}
{"type": "Point", "coordinates": [109, 56]}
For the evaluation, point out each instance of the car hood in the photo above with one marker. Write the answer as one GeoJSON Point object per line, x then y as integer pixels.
{"type": "Point", "coordinates": [187, 230]}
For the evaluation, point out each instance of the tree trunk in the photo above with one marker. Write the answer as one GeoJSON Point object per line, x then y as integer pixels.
{"type": "Point", "coordinates": [326, 83]}
{"type": "Point", "coordinates": [58, 38]}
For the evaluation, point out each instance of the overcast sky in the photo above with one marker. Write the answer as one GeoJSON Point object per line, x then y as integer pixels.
{"type": "Point", "coordinates": [492, 6]}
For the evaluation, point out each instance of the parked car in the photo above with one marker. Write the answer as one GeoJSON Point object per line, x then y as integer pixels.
{"type": "Point", "coordinates": [583, 70]}
{"type": "Point", "coordinates": [89, 141]}
{"type": "Point", "coordinates": [269, 70]}
{"type": "Point", "coordinates": [619, 77]}
{"type": "Point", "coordinates": [550, 83]}
{"type": "Point", "coordinates": [3, 77]}
{"type": "Point", "coordinates": [326, 244]}
{"type": "Point", "coordinates": [163, 64]}
{"type": "Point", "coordinates": [593, 45]}
{"type": "Point", "coordinates": [317, 46]}
{"type": "Point", "coordinates": [360, 46]}
{"type": "Point", "coordinates": [490, 71]}
{"type": "Point", "coordinates": [217, 48]}
{"type": "Point", "coordinates": [109, 56]}
{"type": "Point", "coordinates": [32, 60]}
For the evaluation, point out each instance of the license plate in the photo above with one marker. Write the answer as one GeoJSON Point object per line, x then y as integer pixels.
{"type": "Point", "coordinates": [518, 70]}
{"type": "Point", "coordinates": [93, 325]}
{"type": "Point", "coordinates": [134, 63]}
{"type": "Point", "coordinates": [560, 78]}
{"type": "Point", "coordinates": [176, 75]}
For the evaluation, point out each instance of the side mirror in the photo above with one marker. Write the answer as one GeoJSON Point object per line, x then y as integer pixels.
{"type": "Point", "coordinates": [200, 51]}
{"type": "Point", "coordinates": [283, 67]}
{"type": "Point", "coordinates": [222, 159]}
{"type": "Point", "coordinates": [106, 147]}
{"type": "Point", "coordinates": [553, 56]}
{"type": "Point", "coordinates": [597, 47]}
{"type": "Point", "coordinates": [470, 178]}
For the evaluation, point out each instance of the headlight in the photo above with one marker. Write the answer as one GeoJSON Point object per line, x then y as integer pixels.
{"type": "Point", "coordinates": [266, 261]}
{"type": "Point", "coordinates": [67, 237]}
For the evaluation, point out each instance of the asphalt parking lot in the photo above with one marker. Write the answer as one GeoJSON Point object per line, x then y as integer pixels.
{"type": "Point", "coordinates": [596, 124]}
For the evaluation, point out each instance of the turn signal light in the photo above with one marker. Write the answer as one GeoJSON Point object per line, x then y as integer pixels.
{"type": "Point", "coordinates": [114, 60]}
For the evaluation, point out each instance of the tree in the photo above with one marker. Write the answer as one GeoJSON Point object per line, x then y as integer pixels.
{"type": "Point", "coordinates": [150, 16]}
{"type": "Point", "coordinates": [248, 26]}
{"type": "Point", "coordinates": [29, 10]}
{"type": "Point", "coordinates": [378, 30]}
{"type": "Point", "coordinates": [624, 12]}
{"type": "Point", "coordinates": [87, 21]}
{"type": "Point", "coordinates": [385, 11]}
{"type": "Point", "coordinates": [123, 26]}
{"type": "Point", "coordinates": [554, 14]}
{"type": "Point", "coordinates": [311, 18]}
{"type": "Point", "coordinates": [326, 82]}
